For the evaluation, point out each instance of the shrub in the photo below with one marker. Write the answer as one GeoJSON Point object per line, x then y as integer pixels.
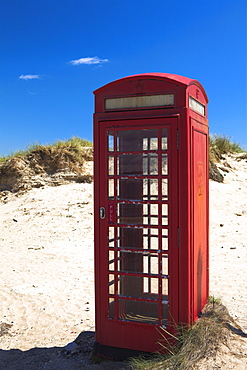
{"type": "Point", "coordinates": [223, 144]}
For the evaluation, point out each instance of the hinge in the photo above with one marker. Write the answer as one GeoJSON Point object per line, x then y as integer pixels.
{"type": "Point", "coordinates": [177, 139]}
{"type": "Point", "coordinates": [178, 237]}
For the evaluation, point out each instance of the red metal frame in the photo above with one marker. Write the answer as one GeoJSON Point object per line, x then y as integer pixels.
{"type": "Point", "coordinates": [187, 205]}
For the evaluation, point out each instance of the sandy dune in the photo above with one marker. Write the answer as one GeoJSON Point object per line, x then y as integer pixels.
{"type": "Point", "coordinates": [47, 289]}
{"type": "Point", "coordinates": [228, 240]}
{"type": "Point", "coordinates": [46, 265]}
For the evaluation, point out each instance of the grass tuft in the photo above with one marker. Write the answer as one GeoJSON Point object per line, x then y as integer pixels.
{"type": "Point", "coordinates": [201, 341]}
{"type": "Point", "coordinates": [75, 145]}
{"type": "Point", "coordinates": [46, 164]}
{"type": "Point", "coordinates": [222, 144]}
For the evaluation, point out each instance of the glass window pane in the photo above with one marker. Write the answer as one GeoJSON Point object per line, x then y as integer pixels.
{"type": "Point", "coordinates": [137, 262]}
{"type": "Point", "coordinates": [145, 145]}
{"type": "Point", "coordinates": [138, 286]}
{"type": "Point", "coordinates": [151, 209]}
{"type": "Point", "coordinates": [138, 311]}
{"type": "Point", "coordinates": [111, 260]}
{"type": "Point", "coordinates": [129, 214]}
{"type": "Point", "coordinates": [165, 288]}
{"type": "Point", "coordinates": [133, 214]}
{"type": "Point", "coordinates": [130, 262]}
{"type": "Point", "coordinates": [130, 238]}
{"type": "Point", "coordinates": [140, 189]}
{"type": "Point", "coordinates": [137, 140]}
{"type": "Point", "coordinates": [150, 242]}
{"type": "Point", "coordinates": [130, 286]}
{"type": "Point", "coordinates": [130, 189]}
{"type": "Point", "coordinates": [164, 164]}
{"type": "Point", "coordinates": [150, 164]}
{"type": "Point", "coordinates": [152, 221]}
{"type": "Point", "coordinates": [164, 139]}
{"type": "Point", "coordinates": [111, 307]}
{"type": "Point", "coordinates": [150, 189]}
{"type": "Point", "coordinates": [110, 141]}
{"type": "Point", "coordinates": [130, 164]}
{"type": "Point", "coordinates": [164, 221]}
{"type": "Point", "coordinates": [165, 265]}
{"type": "Point", "coordinates": [111, 237]}
{"type": "Point", "coordinates": [138, 164]}
{"type": "Point", "coordinates": [138, 238]}
{"type": "Point", "coordinates": [164, 209]}
{"type": "Point", "coordinates": [164, 243]}
{"type": "Point", "coordinates": [151, 286]}
{"type": "Point", "coordinates": [164, 189]}
{"type": "Point", "coordinates": [151, 263]}
{"type": "Point", "coordinates": [111, 284]}
{"type": "Point", "coordinates": [110, 165]}
{"type": "Point", "coordinates": [111, 188]}
{"type": "Point", "coordinates": [153, 144]}
{"type": "Point", "coordinates": [164, 214]}
{"type": "Point", "coordinates": [150, 143]}
{"type": "Point", "coordinates": [111, 233]}
{"type": "Point", "coordinates": [165, 307]}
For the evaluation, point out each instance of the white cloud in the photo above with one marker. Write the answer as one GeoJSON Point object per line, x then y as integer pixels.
{"type": "Point", "coordinates": [88, 60]}
{"type": "Point", "coordinates": [29, 77]}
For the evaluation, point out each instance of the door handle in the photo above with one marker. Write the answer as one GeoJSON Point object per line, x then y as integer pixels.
{"type": "Point", "coordinates": [102, 212]}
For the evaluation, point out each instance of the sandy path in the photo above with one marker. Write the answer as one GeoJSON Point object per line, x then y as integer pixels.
{"type": "Point", "coordinates": [46, 267]}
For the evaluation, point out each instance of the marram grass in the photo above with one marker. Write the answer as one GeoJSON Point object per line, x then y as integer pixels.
{"type": "Point", "coordinates": [76, 145]}
{"type": "Point", "coordinates": [201, 341]}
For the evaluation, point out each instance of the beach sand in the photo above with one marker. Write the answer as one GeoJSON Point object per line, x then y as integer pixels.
{"type": "Point", "coordinates": [47, 261]}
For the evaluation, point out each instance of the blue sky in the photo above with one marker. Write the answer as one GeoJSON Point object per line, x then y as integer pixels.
{"type": "Point", "coordinates": [54, 53]}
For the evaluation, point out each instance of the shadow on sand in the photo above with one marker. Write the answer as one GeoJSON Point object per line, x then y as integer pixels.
{"type": "Point", "coordinates": [74, 356]}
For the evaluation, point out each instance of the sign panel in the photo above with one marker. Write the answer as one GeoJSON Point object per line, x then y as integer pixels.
{"type": "Point", "coordinates": [140, 101]}
{"type": "Point", "coordinates": [195, 105]}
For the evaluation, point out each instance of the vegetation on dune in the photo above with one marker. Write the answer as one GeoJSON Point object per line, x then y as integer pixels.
{"type": "Point", "coordinates": [75, 145]}
{"type": "Point", "coordinates": [220, 145]}
{"type": "Point", "coordinates": [46, 164]}
{"type": "Point", "coordinates": [201, 341]}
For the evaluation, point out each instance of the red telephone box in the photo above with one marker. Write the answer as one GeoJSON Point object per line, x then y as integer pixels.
{"type": "Point", "coordinates": [151, 209]}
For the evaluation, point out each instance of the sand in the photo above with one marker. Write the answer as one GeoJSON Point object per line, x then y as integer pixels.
{"type": "Point", "coordinates": [228, 240]}
{"type": "Point", "coordinates": [47, 283]}
{"type": "Point", "coordinates": [46, 265]}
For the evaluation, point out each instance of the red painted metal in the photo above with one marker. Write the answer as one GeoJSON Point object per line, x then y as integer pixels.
{"type": "Point", "coordinates": [151, 208]}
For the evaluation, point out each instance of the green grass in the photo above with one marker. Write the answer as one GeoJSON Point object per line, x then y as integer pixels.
{"type": "Point", "coordinates": [223, 144]}
{"type": "Point", "coordinates": [75, 145]}
{"type": "Point", "coordinates": [220, 145]}
{"type": "Point", "coordinates": [195, 343]}
{"type": "Point", "coordinates": [18, 153]}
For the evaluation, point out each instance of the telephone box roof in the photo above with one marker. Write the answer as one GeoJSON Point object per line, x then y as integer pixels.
{"type": "Point", "coordinates": [172, 78]}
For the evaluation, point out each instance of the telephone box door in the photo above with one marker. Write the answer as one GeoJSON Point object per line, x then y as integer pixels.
{"type": "Point", "coordinates": [138, 222]}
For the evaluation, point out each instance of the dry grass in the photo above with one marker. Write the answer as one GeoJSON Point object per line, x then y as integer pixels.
{"type": "Point", "coordinates": [220, 145]}
{"type": "Point", "coordinates": [40, 164]}
{"type": "Point", "coordinates": [201, 341]}
{"type": "Point", "coordinates": [74, 145]}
